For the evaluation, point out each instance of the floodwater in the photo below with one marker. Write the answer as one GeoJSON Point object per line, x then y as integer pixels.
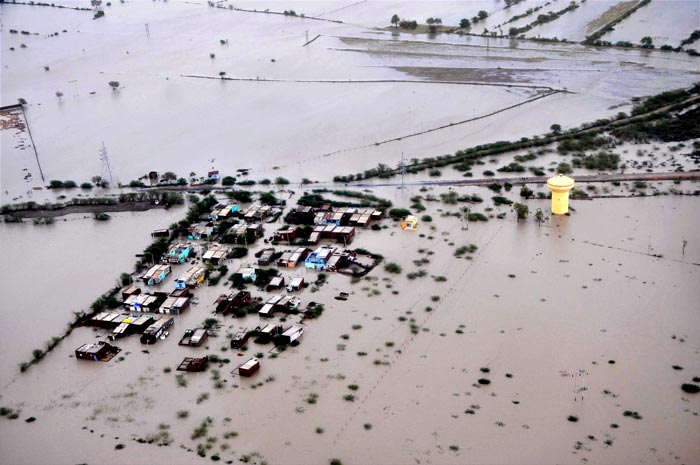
{"type": "Point", "coordinates": [610, 283]}
{"type": "Point", "coordinates": [661, 20]}
{"type": "Point", "coordinates": [580, 295]}
{"type": "Point", "coordinates": [50, 271]}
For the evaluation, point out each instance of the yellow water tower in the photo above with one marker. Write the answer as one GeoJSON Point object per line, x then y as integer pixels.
{"type": "Point", "coordinates": [560, 186]}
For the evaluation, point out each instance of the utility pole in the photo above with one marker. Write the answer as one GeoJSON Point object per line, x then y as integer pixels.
{"type": "Point", "coordinates": [148, 31]}
{"type": "Point", "coordinates": [106, 168]}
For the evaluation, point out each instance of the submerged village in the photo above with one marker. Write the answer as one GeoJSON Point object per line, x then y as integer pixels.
{"type": "Point", "coordinates": [227, 232]}
{"type": "Point", "coordinates": [361, 232]}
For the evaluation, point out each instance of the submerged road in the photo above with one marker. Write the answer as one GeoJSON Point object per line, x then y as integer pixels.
{"type": "Point", "coordinates": [673, 176]}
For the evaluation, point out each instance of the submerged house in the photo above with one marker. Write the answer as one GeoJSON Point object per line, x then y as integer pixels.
{"type": "Point", "coordinates": [318, 259]}
{"type": "Point", "coordinates": [174, 305]}
{"type": "Point", "coordinates": [156, 274]}
{"type": "Point", "coordinates": [178, 253]}
{"type": "Point", "coordinates": [131, 325]}
{"type": "Point", "coordinates": [190, 278]}
{"type": "Point", "coordinates": [215, 254]}
{"type": "Point", "coordinates": [249, 367]}
{"type": "Point", "coordinates": [221, 212]}
{"type": "Point", "coordinates": [156, 330]}
{"type": "Point", "coordinates": [265, 257]}
{"type": "Point", "coordinates": [291, 335]}
{"type": "Point", "coordinates": [295, 284]}
{"type": "Point", "coordinates": [199, 231]}
{"type": "Point", "coordinates": [246, 273]}
{"type": "Point", "coordinates": [194, 337]}
{"type": "Point", "coordinates": [98, 351]}
{"type": "Point", "coordinates": [193, 364]}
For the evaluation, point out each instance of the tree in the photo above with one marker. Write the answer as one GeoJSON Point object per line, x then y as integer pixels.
{"type": "Point", "coordinates": [513, 31]}
{"type": "Point", "coordinates": [59, 94]}
{"type": "Point", "coordinates": [564, 168]}
{"type": "Point", "coordinates": [684, 242]}
{"type": "Point", "coordinates": [464, 23]}
{"type": "Point", "coordinates": [114, 85]}
{"type": "Point", "coordinates": [526, 192]}
{"type": "Point", "coordinates": [395, 20]}
{"type": "Point", "coordinates": [21, 101]}
{"type": "Point", "coordinates": [647, 42]}
{"type": "Point", "coordinates": [522, 211]}
{"type": "Point", "coordinates": [539, 216]}
{"type": "Point", "coordinates": [431, 24]}
{"type": "Point", "coordinates": [556, 128]}
{"type": "Point", "coordinates": [169, 176]}
{"type": "Point", "coordinates": [483, 14]}
{"type": "Point", "coordinates": [222, 74]}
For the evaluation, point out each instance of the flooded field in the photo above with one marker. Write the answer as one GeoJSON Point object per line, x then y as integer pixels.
{"type": "Point", "coordinates": [233, 122]}
{"type": "Point", "coordinates": [498, 341]}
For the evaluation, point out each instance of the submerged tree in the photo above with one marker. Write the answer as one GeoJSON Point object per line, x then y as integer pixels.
{"type": "Point", "coordinates": [114, 85]}
{"type": "Point", "coordinates": [539, 216]}
{"type": "Point", "coordinates": [521, 210]}
{"type": "Point", "coordinates": [59, 94]}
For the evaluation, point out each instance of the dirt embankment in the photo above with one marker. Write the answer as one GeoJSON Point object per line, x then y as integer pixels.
{"type": "Point", "coordinates": [120, 207]}
{"type": "Point", "coordinates": [610, 15]}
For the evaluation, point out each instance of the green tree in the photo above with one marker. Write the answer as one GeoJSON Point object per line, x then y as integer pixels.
{"type": "Point", "coordinates": [483, 14]}
{"type": "Point", "coordinates": [564, 168]}
{"type": "Point", "coordinates": [647, 42]}
{"type": "Point", "coordinates": [395, 20]}
{"type": "Point", "coordinates": [525, 192]}
{"type": "Point", "coordinates": [222, 74]}
{"type": "Point", "coordinates": [464, 23]}
{"type": "Point", "coordinates": [521, 210]}
{"type": "Point", "coordinates": [555, 128]}
{"type": "Point", "coordinates": [539, 216]}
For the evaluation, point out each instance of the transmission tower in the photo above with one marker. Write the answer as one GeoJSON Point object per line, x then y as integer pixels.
{"type": "Point", "coordinates": [402, 168]}
{"type": "Point", "coordinates": [106, 172]}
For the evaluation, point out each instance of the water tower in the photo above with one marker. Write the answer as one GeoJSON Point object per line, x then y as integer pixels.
{"type": "Point", "coordinates": [560, 186]}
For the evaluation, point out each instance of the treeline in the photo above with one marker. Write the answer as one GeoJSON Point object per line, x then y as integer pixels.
{"type": "Point", "coordinates": [542, 19]}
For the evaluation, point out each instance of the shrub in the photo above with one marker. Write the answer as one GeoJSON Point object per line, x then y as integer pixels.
{"type": "Point", "coordinates": [500, 200]}
{"type": "Point", "coordinates": [86, 185]}
{"type": "Point", "coordinates": [690, 388]}
{"type": "Point", "coordinates": [392, 267]}
{"type": "Point", "coordinates": [572, 418]}
{"type": "Point", "coordinates": [632, 414]}
{"type": "Point", "coordinates": [484, 381]}
{"type": "Point", "coordinates": [398, 213]}
{"type": "Point", "coordinates": [228, 181]}
{"type": "Point", "coordinates": [426, 218]}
